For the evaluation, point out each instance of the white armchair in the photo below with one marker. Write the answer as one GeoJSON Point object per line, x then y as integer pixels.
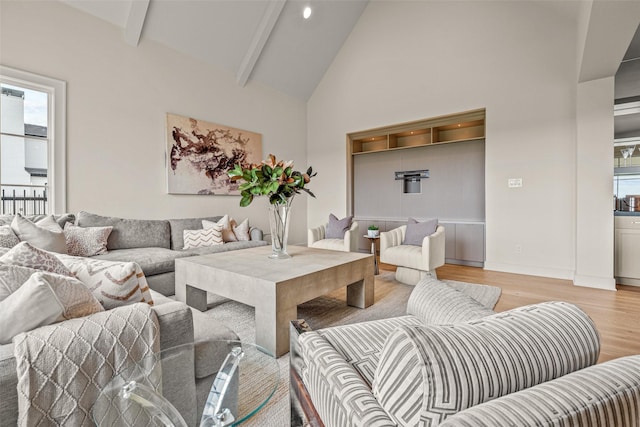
{"type": "Point", "coordinates": [413, 262]}
{"type": "Point", "coordinates": [316, 239]}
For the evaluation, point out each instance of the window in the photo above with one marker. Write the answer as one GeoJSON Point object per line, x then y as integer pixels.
{"type": "Point", "coordinates": [32, 143]}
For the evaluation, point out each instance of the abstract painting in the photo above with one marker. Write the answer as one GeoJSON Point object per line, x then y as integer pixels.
{"type": "Point", "coordinates": [200, 154]}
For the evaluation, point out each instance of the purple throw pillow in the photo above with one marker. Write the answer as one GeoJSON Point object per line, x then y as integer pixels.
{"type": "Point", "coordinates": [337, 227]}
{"type": "Point", "coordinates": [417, 231]}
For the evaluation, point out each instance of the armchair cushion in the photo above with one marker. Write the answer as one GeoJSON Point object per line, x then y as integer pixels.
{"type": "Point", "coordinates": [427, 373]}
{"type": "Point", "coordinates": [417, 231]}
{"type": "Point", "coordinates": [337, 227]}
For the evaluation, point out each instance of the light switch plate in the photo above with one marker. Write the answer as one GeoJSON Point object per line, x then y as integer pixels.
{"type": "Point", "coordinates": [514, 182]}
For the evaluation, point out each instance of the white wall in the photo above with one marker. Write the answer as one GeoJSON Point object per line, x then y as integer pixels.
{"type": "Point", "coordinates": [594, 214]}
{"type": "Point", "coordinates": [412, 60]}
{"type": "Point", "coordinates": [117, 99]}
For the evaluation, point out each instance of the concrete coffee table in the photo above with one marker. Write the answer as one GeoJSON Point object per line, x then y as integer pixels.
{"type": "Point", "coordinates": [274, 287]}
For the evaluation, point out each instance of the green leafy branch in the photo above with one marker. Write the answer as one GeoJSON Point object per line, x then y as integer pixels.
{"type": "Point", "coordinates": [272, 178]}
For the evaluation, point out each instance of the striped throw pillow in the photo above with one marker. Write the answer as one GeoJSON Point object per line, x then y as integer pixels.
{"type": "Point", "coordinates": [428, 373]}
{"type": "Point", "coordinates": [201, 238]}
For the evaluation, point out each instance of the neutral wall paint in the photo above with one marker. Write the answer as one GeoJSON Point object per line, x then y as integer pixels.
{"type": "Point", "coordinates": [117, 99]}
{"type": "Point", "coordinates": [412, 60]}
{"type": "Point", "coordinates": [454, 190]}
{"type": "Point", "coordinates": [594, 214]}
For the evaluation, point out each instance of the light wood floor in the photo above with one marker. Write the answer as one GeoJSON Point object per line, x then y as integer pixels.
{"type": "Point", "coordinates": [616, 314]}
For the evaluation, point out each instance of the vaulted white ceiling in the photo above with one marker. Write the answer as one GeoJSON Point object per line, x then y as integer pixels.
{"type": "Point", "coordinates": [266, 41]}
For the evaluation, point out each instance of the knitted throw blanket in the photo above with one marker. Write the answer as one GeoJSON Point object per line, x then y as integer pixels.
{"type": "Point", "coordinates": [63, 367]}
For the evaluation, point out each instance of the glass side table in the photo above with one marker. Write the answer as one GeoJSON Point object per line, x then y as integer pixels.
{"type": "Point", "coordinates": [151, 392]}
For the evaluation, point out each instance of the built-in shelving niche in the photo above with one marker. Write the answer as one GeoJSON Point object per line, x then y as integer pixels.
{"type": "Point", "coordinates": [439, 130]}
{"type": "Point", "coordinates": [452, 146]}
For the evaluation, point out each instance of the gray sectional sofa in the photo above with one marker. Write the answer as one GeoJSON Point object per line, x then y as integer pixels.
{"type": "Point", "coordinates": [156, 244]}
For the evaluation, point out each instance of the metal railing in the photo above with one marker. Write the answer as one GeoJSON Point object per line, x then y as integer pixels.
{"type": "Point", "coordinates": [24, 199]}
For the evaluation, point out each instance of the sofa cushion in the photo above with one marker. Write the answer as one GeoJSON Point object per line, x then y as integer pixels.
{"type": "Point", "coordinates": [179, 225]}
{"type": "Point", "coordinates": [361, 343]}
{"type": "Point", "coordinates": [207, 334]}
{"type": "Point", "coordinates": [231, 246]}
{"type": "Point", "coordinates": [32, 305]}
{"type": "Point", "coordinates": [203, 238]}
{"type": "Point", "coordinates": [152, 260]}
{"type": "Point", "coordinates": [12, 277]}
{"type": "Point", "coordinates": [86, 241]}
{"type": "Point", "coordinates": [45, 234]}
{"type": "Point", "coordinates": [226, 225]}
{"type": "Point", "coordinates": [61, 219]}
{"type": "Point", "coordinates": [8, 238]}
{"type": "Point", "coordinates": [130, 233]}
{"type": "Point", "coordinates": [26, 255]}
{"type": "Point", "coordinates": [417, 231]}
{"type": "Point", "coordinates": [427, 373]}
{"type": "Point", "coordinates": [113, 283]}
{"type": "Point", "coordinates": [43, 299]}
{"type": "Point", "coordinates": [241, 230]}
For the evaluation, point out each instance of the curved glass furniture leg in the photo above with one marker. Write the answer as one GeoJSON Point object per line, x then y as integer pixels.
{"type": "Point", "coordinates": [156, 405]}
{"type": "Point", "coordinates": [214, 415]}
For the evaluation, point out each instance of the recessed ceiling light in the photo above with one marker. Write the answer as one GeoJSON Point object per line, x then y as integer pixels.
{"type": "Point", "coordinates": [306, 13]}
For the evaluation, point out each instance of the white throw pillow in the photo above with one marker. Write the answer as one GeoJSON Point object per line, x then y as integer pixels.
{"type": "Point", "coordinates": [242, 230]}
{"type": "Point", "coordinates": [113, 283]}
{"type": "Point", "coordinates": [8, 238]}
{"type": "Point", "coordinates": [86, 241]}
{"type": "Point", "coordinates": [75, 296]}
{"type": "Point", "coordinates": [45, 234]}
{"type": "Point", "coordinates": [32, 305]}
{"type": "Point", "coordinates": [226, 225]}
{"type": "Point", "coordinates": [12, 277]}
{"type": "Point", "coordinates": [201, 238]}
{"type": "Point", "coordinates": [43, 299]}
{"type": "Point", "coordinates": [26, 255]}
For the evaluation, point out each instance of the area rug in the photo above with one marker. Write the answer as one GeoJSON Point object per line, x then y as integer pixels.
{"type": "Point", "coordinates": [329, 310]}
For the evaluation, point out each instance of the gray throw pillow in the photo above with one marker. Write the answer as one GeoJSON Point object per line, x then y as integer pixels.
{"type": "Point", "coordinates": [45, 234]}
{"type": "Point", "coordinates": [337, 227]}
{"type": "Point", "coordinates": [417, 231]}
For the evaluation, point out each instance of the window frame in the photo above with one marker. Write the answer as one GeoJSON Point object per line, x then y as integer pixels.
{"type": "Point", "coordinates": [56, 130]}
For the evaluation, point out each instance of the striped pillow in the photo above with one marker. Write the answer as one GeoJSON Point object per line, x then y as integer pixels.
{"type": "Point", "coordinates": [428, 373]}
{"type": "Point", "coordinates": [201, 238]}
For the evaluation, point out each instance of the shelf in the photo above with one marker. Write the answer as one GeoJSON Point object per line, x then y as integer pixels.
{"type": "Point", "coordinates": [451, 128]}
{"type": "Point", "coordinates": [459, 131]}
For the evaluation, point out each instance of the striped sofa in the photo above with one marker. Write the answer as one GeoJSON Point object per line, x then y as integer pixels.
{"type": "Point", "coordinates": [453, 362]}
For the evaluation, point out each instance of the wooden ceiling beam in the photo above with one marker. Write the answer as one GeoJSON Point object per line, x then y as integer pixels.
{"type": "Point", "coordinates": [260, 38]}
{"type": "Point", "coordinates": [135, 21]}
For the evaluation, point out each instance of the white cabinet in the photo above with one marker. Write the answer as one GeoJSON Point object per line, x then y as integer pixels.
{"type": "Point", "coordinates": [627, 250]}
